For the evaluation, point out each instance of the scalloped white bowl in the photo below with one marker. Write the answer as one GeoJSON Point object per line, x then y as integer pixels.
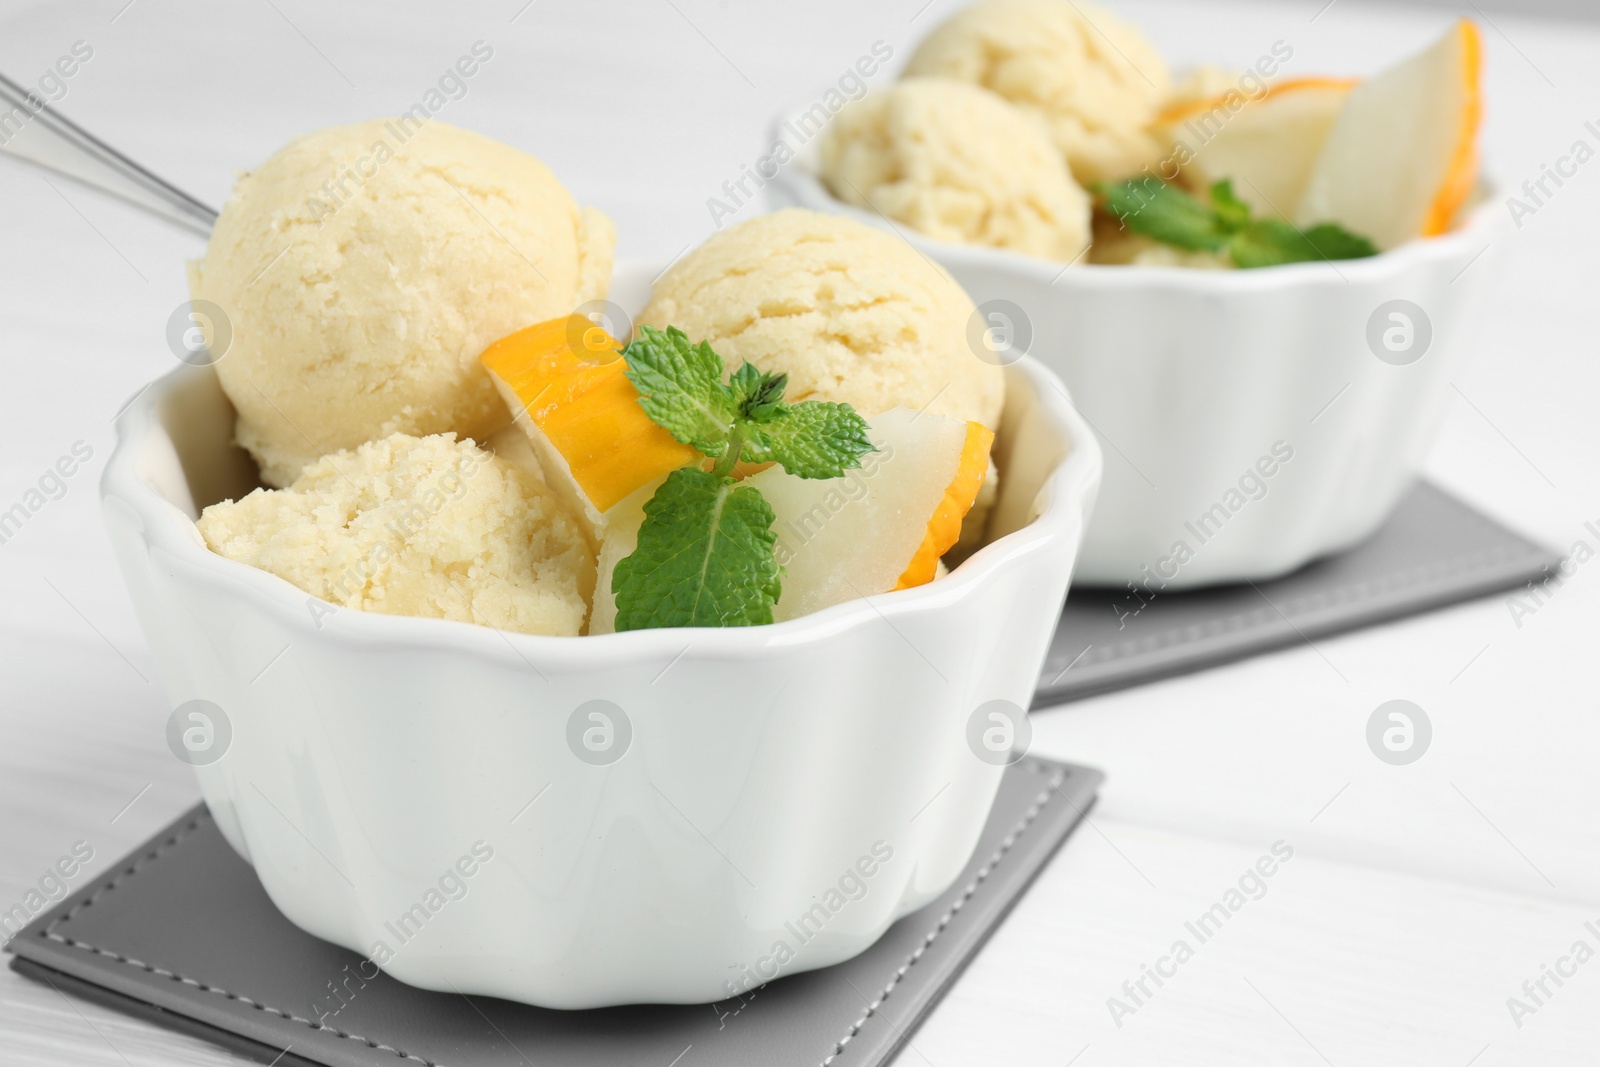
{"type": "Point", "coordinates": [1190, 377]}
{"type": "Point", "coordinates": [370, 753]}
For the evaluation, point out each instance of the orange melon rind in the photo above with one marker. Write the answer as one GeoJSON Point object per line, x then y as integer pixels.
{"type": "Point", "coordinates": [565, 383]}
{"type": "Point", "coordinates": [944, 526]}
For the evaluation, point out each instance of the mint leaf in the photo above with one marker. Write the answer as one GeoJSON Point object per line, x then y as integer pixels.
{"type": "Point", "coordinates": [1335, 242]}
{"type": "Point", "coordinates": [812, 439]}
{"type": "Point", "coordinates": [757, 394]}
{"type": "Point", "coordinates": [1232, 213]}
{"type": "Point", "coordinates": [1272, 242]}
{"type": "Point", "coordinates": [680, 387]}
{"type": "Point", "coordinates": [746, 381]}
{"type": "Point", "coordinates": [705, 557]}
{"type": "Point", "coordinates": [1157, 209]}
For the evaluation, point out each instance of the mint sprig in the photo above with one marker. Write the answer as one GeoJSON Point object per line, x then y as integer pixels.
{"type": "Point", "coordinates": [1225, 225]}
{"type": "Point", "coordinates": [706, 549]}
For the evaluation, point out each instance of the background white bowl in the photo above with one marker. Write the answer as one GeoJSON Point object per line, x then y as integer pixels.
{"type": "Point", "coordinates": [370, 753]}
{"type": "Point", "coordinates": [1191, 377]}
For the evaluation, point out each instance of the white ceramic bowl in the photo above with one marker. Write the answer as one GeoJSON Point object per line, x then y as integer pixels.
{"type": "Point", "coordinates": [1192, 377]}
{"type": "Point", "coordinates": [370, 755]}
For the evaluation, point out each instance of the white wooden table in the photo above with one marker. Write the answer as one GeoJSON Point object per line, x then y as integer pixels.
{"type": "Point", "coordinates": [1419, 898]}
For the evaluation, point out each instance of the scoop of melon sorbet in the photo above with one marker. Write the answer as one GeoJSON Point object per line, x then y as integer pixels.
{"type": "Point", "coordinates": [854, 314]}
{"type": "Point", "coordinates": [427, 526]}
{"type": "Point", "coordinates": [363, 268]}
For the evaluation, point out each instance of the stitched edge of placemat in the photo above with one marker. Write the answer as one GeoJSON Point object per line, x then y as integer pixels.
{"type": "Point", "coordinates": [145, 861]}
{"type": "Point", "coordinates": [1358, 591]}
{"type": "Point", "coordinates": [1057, 776]}
{"type": "Point", "coordinates": [145, 1011]}
{"type": "Point", "coordinates": [1057, 773]}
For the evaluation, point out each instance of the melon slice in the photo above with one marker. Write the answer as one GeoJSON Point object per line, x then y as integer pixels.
{"type": "Point", "coordinates": [883, 526]}
{"type": "Point", "coordinates": [1402, 157]}
{"type": "Point", "coordinates": [880, 527]}
{"type": "Point", "coordinates": [1267, 145]}
{"type": "Point", "coordinates": [620, 538]}
{"type": "Point", "coordinates": [565, 384]}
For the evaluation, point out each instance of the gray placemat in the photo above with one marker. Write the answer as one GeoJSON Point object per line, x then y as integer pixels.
{"type": "Point", "coordinates": [181, 932]}
{"type": "Point", "coordinates": [1433, 551]}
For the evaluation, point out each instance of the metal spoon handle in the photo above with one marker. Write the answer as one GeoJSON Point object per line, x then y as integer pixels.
{"type": "Point", "coordinates": [34, 132]}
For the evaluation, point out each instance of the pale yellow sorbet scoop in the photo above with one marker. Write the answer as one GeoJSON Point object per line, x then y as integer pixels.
{"type": "Point", "coordinates": [854, 314]}
{"type": "Point", "coordinates": [1094, 81]}
{"type": "Point", "coordinates": [957, 163]}
{"type": "Point", "coordinates": [364, 268]}
{"type": "Point", "coordinates": [427, 526]}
